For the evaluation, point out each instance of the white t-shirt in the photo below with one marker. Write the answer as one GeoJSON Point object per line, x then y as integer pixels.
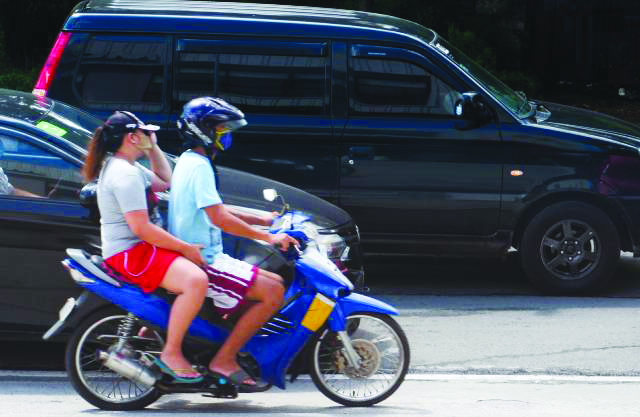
{"type": "Point", "coordinates": [121, 189]}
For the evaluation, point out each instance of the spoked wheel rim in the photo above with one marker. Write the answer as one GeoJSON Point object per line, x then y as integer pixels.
{"type": "Point", "coordinates": [101, 381]}
{"type": "Point", "coordinates": [383, 357]}
{"type": "Point", "coordinates": [570, 249]}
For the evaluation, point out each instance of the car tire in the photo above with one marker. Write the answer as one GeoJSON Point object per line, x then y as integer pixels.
{"type": "Point", "coordinates": [570, 248]}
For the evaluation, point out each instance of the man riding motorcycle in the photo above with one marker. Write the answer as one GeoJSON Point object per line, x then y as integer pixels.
{"type": "Point", "coordinates": [197, 215]}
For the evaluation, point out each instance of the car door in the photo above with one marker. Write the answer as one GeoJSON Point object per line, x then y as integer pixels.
{"type": "Point", "coordinates": [282, 87]}
{"type": "Point", "coordinates": [40, 216]}
{"type": "Point", "coordinates": [408, 169]}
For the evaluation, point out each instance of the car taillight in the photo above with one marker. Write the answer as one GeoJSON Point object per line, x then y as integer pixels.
{"type": "Point", "coordinates": [46, 75]}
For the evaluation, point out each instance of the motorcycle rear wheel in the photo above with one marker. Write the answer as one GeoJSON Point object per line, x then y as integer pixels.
{"type": "Point", "coordinates": [383, 349]}
{"type": "Point", "coordinates": [96, 383]}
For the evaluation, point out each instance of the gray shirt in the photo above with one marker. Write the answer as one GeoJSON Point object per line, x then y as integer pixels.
{"type": "Point", "coordinates": [121, 189]}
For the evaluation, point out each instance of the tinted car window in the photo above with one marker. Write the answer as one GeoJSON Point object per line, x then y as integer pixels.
{"type": "Point", "coordinates": [395, 86]}
{"type": "Point", "coordinates": [195, 76]}
{"type": "Point", "coordinates": [54, 117]}
{"type": "Point", "coordinates": [38, 171]}
{"type": "Point", "coordinates": [68, 123]}
{"type": "Point", "coordinates": [122, 72]}
{"type": "Point", "coordinates": [279, 82]}
{"type": "Point", "coordinates": [273, 84]}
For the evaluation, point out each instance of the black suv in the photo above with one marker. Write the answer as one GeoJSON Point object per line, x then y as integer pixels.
{"type": "Point", "coordinates": [429, 153]}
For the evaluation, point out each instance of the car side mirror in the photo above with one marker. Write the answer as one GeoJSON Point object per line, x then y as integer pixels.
{"type": "Point", "coordinates": [472, 110]}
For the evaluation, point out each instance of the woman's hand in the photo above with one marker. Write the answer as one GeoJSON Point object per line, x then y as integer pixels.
{"type": "Point", "coordinates": [192, 253]}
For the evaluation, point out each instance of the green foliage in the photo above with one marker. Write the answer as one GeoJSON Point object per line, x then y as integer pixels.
{"type": "Point", "coordinates": [476, 49]}
{"type": "Point", "coordinates": [18, 80]}
{"type": "Point", "coordinates": [521, 81]}
{"type": "Point", "coordinates": [472, 46]}
{"type": "Point", "coordinates": [3, 58]}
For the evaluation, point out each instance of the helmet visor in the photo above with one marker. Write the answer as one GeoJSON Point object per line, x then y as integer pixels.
{"type": "Point", "coordinates": [232, 125]}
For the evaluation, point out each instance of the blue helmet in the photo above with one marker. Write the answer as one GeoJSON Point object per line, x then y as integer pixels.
{"type": "Point", "coordinates": [208, 122]}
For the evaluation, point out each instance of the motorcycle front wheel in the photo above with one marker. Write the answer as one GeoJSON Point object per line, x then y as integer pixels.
{"type": "Point", "coordinates": [384, 360]}
{"type": "Point", "coordinates": [96, 383]}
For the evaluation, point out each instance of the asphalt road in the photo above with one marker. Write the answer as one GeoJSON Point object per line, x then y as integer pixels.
{"type": "Point", "coordinates": [420, 396]}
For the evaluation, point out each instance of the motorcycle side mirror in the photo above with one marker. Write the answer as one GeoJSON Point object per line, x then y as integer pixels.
{"type": "Point", "coordinates": [472, 109]}
{"type": "Point", "coordinates": [270, 194]}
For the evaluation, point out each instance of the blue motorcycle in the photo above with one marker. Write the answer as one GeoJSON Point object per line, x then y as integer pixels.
{"type": "Point", "coordinates": [356, 354]}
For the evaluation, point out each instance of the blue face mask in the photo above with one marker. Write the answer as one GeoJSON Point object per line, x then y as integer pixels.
{"type": "Point", "coordinates": [223, 141]}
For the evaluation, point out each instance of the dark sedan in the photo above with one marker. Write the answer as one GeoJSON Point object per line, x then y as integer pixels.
{"type": "Point", "coordinates": [42, 144]}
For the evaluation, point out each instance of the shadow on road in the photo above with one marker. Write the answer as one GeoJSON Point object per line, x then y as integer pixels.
{"type": "Point", "coordinates": [437, 276]}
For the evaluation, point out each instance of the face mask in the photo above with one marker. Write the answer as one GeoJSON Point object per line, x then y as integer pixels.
{"type": "Point", "coordinates": [145, 143]}
{"type": "Point", "coordinates": [223, 140]}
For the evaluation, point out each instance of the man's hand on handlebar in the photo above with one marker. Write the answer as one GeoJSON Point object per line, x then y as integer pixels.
{"type": "Point", "coordinates": [283, 241]}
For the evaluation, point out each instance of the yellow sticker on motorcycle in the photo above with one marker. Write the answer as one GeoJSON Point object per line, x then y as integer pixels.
{"type": "Point", "coordinates": [318, 312]}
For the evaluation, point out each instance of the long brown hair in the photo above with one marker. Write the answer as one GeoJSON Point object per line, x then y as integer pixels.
{"type": "Point", "coordinates": [101, 143]}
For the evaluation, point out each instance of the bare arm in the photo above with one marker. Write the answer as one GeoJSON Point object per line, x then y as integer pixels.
{"type": "Point", "coordinates": [160, 167]}
{"type": "Point", "coordinates": [24, 193]}
{"type": "Point", "coordinates": [249, 218]}
{"type": "Point", "coordinates": [140, 225]}
{"type": "Point", "coordinates": [226, 220]}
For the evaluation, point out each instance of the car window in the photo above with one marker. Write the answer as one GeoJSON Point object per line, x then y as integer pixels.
{"type": "Point", "coordinates": [279, 82]}
{"type": "Point", "coordinates": [500, 90]}
{"type": "Point", "coordinates": [381, 86]}
{"type": "Point", "coordinates": [50, 116]}
{"type": "Point", "coordinates": [273, 84]}
{"type": "Point", "coordinates": [31, 171]}
{"type": "Point", "coordinates": [195, 76]}
{"type": "Point", "coordinates": [122, 72]}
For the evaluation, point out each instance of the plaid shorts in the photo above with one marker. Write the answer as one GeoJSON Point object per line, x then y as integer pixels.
{"type": "Point", "coordinates": [229, 281]}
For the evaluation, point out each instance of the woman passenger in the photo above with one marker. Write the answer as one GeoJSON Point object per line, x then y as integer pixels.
{"type": "Point", "coordinates": [141, 251]}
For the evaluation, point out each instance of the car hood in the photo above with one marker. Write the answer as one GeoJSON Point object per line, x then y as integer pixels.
{"type": "Point", "coordinates": [581, 121]}
{"type": "Point", "coordinates": [244, 189]}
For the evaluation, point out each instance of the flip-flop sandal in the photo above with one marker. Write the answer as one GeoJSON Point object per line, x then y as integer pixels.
{"type": "Point", "coordinates": [173, 373]}
{"type": "Point", "coordinates": [238, 377]}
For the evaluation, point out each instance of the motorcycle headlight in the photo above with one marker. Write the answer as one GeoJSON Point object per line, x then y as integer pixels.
{"type": "Point", "coordinates": [334, 246]}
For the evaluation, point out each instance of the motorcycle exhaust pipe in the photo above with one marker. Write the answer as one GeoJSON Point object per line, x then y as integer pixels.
{"type": "Point", "coordinates": [128, 368]}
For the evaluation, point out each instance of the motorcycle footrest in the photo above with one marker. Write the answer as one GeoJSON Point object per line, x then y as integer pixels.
{"type": "Point", "coordinates": [224, 392]}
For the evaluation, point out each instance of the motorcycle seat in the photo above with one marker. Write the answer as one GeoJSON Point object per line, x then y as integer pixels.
{"type": "Point", "coordinates": [93, 264]}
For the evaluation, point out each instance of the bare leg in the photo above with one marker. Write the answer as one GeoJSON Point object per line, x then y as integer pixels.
{"type": "Point", "coordinates": [267, 292]}
{"type": "Point", "coordinates": [190, 283]}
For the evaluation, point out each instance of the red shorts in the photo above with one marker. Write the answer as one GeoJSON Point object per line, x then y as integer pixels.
{"type": "Point", "coordinates": [144, 265]}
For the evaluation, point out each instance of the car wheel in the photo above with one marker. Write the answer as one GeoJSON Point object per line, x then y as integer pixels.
{"type": "Point", "coordinates": [570, 248]}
